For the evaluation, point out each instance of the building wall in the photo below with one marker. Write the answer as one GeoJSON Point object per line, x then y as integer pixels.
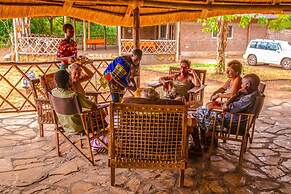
{"type": "Point", "coordinates": [282, 35]}
{"type": "Point", "coordinates": [195, 43]}
{"type": "Point", "coordinates": [148, 33]}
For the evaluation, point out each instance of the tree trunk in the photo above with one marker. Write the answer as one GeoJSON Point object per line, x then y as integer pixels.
{"type": "Point", "coordinates": [221, 45]}
{"type": "Point", "coordinates": [51, 24]}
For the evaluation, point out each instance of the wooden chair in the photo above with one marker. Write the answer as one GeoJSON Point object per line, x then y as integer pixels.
{"type": "Point", "coordinates": [196, 94]}
{"type": "Point", "coordinates": [148, 136]}
{"type": "Point", "coordinates": [41, 88]}
{"type": "Point", "coordinates": [259, 106]}
{"type": "Point", "coordinates": [93, 123]}
{"type": "Point", "coordinates": [236, 127]}
{"type": "Point", "coordinates": [43, 106]}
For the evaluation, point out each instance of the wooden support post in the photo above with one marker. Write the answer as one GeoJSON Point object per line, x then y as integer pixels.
{"type": "Point", "coordinates": [248, 33]}
{"type": "Point", "coordinates": [15, 34]}
{"type": "Point", "coordinates": [136, 28]}
{"type": "Point", "coordinates": [89, 30]}
{"type": "Point", "coordinates": [136, 38]}
{"type": "Point", "coordinates": [167, 32]}
{"type": "Point", "coordinates": [74, 25]}
{"type": "Point", "coordinates": [119, 40]}
{"type": "Point", "coordinates": [65, 19]}
{"type": "Point", "coordinates": [178, 26]}
{"type": "Point", "coordinates": [105, 37]}
{"type": "Point", "coordinates": [84, 36]}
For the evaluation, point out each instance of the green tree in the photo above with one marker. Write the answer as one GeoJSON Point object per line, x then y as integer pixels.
{"type": "Point", "coordinates": [281, 23]}
{"type": "Point", "coordinates": [5, 31]}
{"type": "Point", "coordinates": [219, 25]}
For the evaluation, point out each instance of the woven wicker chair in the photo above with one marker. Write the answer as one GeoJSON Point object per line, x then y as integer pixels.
{"type": "Point", "coordinates": [148, 136]}
{"type": "Point", "coordinates": [41, 88]}
{"type": "Point", "coordinates": [93, 123]}
{"type": "Point", "coordinates": [238, 127]}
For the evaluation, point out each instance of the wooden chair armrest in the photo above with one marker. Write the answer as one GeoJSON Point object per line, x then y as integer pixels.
{"type": "Point", "coordinates": [155, 84]}
{"type": "Point", "coordinates": [99, 106]}
{"type": "Point", "coordinates": [196, 89]}
{"type": "Point", "coordinates": [42, 101]}
{"type": "Point", "coordinates": [94, 93]}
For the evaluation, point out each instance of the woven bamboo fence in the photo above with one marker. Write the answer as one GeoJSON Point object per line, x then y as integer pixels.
{"type": "Point", "coordinates": [16, 94]}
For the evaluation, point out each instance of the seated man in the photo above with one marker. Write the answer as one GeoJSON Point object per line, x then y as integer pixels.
{"type": "Point", "coordinates": [177, 85]}
{"type": "Point", "coordinates": [242, 102]}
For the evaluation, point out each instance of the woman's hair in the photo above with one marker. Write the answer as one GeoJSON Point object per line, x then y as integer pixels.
{"type": "Point", "coordinates": [235, 65]}
{"type": "Point", "coordinates": [67, 26]}
{"type": "Point", "coordinates": [188, 62]}
{"type": "Point", "coordinates": [62, 79]}
{"type": "Point", "coordinates": [149, 93]}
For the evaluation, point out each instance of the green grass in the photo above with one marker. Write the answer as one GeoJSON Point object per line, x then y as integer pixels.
{"type": "Point", "coordinates": [264, 72]}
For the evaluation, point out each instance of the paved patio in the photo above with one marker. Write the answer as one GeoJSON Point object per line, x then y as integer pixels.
{"type": "Point", "coordinates": [28, 164]}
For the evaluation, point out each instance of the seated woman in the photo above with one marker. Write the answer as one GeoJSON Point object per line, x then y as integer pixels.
{"type": "Point", "coordinates": [72, 123]}
{"type": "Point", "coordinates": [79, 73]}
{"type": "Point", "coordinates": [231, 86]}
{"type": "Point", "coordinates": [177, 85]}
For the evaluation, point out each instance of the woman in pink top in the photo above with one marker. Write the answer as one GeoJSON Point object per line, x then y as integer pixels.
{"type": "Point", "coordinates": [232, 85]}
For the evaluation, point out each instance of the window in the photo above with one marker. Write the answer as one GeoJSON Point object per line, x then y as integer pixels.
{"type": "Point", "coordinates": [229, 34]}
{"type": "Point", "coordinates": [163, 32]}
{"type": "Point", "coordinates": [253, 44]}
{"type": "Point", "coordinates": [272, 46]}
{"type": "Point", "coordinates": [262, 45]}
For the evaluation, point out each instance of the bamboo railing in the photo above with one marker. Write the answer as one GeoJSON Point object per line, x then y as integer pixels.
{"type": "Point", "coordinates": [16, 94]}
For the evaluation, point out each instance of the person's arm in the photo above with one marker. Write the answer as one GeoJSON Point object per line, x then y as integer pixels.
{"type": "Point", "coordinates": [240, 105]}
{"type": "Point", "coordinates": [84, 102]}
{"type": "Point", "coordinates": [89, 74]}
{"type": "Point", "coordinates": [216, 94]}
{"type": "Point", "coordinates": [164, 79]}
{"type": "Point", "coordinates": [234, 89]}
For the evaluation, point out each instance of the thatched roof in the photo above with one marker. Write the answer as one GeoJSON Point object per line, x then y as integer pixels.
{"type": "Point", "coordinates": [119, 12]}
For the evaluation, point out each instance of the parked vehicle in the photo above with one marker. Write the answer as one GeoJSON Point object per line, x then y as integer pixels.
{"type": "Point", "coordinates": [268, 51]}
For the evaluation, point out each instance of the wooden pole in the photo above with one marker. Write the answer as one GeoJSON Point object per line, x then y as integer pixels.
{"type": "Point", "coordinates": [119, 40]}
{"type": "Point", "coordinates": [15, 41]}
{"type": "Point", "coordinates": [136, 28]}
{"type": "Point", "coordinates": [178, 25]}
{"type": "Point", "coordinates": [74, 24]}
{"type": "Point", "coordinates": [84, 36]}
{"type": "Point", "coordinates": [248, 33]}
{"type": "Point", "coordinates": [136, 39]}
{"type": "Point", "coordinates": [89, 30]}
{"type": "Point", "coordinates": [105, 38]}
{"type": "Point", "coordinates": [167, 32]}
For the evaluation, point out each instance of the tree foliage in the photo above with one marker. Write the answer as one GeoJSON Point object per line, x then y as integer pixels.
{"type": "Point", "coordinates": [281, 23]}
{"type": "Point", "coordinates": [5, 31]}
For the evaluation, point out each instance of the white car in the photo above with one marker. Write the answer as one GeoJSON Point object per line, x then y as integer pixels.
{"type": "Point", "coordinates": [268, 51]}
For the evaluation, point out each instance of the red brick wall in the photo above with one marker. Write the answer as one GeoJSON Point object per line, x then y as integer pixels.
{"type": "Point", "coordinates": [283, 35]}
{"type": "Point", "coordinates": [195, 42]}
